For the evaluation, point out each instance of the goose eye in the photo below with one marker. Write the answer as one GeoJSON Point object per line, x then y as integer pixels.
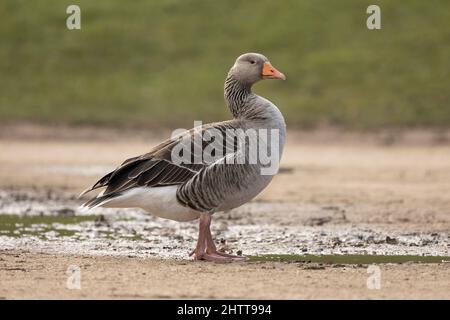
{"type": "Point", "coordinates": [252, 61]}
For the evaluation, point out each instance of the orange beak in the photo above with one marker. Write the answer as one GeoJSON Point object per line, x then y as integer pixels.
{"type": "Point", "coordinates": [269, 72]}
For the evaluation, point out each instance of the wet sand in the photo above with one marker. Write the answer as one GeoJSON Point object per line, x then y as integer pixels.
{"type": "Point", "coordinates": [337, 194]}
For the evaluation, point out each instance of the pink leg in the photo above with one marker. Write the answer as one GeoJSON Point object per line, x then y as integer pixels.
{"type": "Point", "coordinates": [206, 249]}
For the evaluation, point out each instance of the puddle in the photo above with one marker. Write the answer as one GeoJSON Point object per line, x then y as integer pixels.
{"type": "Point", "coordinates": [43, 227]}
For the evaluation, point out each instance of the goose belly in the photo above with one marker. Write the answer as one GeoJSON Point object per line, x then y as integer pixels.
{"type": "Point", "coordinates": [158, 201]}
{"type": "Point", "coordinates": [245, 193]}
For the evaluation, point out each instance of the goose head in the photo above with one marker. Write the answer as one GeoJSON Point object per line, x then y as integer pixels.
{"type": "Point", "coordinates": [249, 68]}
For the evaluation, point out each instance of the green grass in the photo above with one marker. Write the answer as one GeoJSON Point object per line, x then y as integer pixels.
{"type": "Point", "coordinates": [24, 226]}
{"type": "Point", "coordinates": [19, 226]}
{"type": "Point", "coordinates": [350, 259]}
{"type": "Point", "coordinates": [153, 63]}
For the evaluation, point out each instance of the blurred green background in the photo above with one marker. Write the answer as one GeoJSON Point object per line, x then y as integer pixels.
{"type": "Point", "coordinates": [152, 63]}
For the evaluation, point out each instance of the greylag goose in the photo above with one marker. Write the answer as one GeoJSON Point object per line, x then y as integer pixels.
{"type": "Point", "coordinates": [188, 189]}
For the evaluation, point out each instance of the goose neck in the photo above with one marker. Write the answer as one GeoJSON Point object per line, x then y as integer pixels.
{"type": "Point", "coordinates": [236, 95]}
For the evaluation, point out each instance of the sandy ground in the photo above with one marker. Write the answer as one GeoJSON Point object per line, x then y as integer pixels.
{"type": "Point", "coordinates": [31, 275]}
{"type": "Point", "coordinates": [338, 193]}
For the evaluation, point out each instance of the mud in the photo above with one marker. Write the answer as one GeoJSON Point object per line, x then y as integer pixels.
{"type": "Point", "coordinates": [50, 221]}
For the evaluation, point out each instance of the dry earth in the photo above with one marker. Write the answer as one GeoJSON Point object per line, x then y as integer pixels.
{"type": "Point", "coordinates": [41, 275]}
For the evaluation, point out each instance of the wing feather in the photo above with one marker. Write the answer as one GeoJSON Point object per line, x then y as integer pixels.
{"type": "Point", "coordinates": [155, 168]}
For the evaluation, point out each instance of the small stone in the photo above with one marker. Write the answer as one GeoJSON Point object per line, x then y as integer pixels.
{"type": "Point", "coordinates": [390, 240]}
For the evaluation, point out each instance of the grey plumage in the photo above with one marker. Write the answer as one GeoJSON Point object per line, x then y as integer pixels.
{"type": "Point", "coordinates": [206, 187]}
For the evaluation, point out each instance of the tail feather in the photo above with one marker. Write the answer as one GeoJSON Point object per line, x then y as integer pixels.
{"type": "Point", "coordinates": [85, 191]}
{"type": "Point", "coordinates": [99, 200]}
{"type": "Point", "coordinates": [100, 183]}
